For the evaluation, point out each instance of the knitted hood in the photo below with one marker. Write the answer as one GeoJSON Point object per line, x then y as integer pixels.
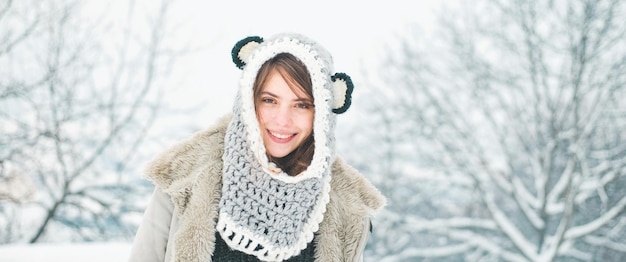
{"type": "Point", "coordinates": [264, 211]}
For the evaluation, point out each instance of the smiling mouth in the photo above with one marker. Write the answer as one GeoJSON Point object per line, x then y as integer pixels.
{"type": "Point", "coordinates": [281, 136]}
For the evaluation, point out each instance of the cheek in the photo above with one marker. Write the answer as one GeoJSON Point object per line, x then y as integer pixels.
{"type": "Point", "coordinates": [307, 123]}
{"type": "Point", "coordinates": [261, 115]}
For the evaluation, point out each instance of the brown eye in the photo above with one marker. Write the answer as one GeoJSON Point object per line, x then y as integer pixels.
{"type": "Point", "coordinates": [304, 105]}
{"type": "Point", "coordinates": [268, 100]}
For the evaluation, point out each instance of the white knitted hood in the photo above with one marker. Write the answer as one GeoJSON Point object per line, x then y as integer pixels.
{"type": "Point", "coordinates": [263, 212]}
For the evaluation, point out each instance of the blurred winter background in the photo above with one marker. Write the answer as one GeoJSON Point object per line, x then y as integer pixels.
{"type": "Point", "coordinates": [496, 129]}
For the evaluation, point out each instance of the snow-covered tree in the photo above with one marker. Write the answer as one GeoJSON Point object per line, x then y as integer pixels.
{"type": "Point", "coordinates": [503, 136]}
{"type": "Point", "coordinates": [78, 93]}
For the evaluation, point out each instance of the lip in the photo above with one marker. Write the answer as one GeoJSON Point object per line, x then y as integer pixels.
{"type": "Point", "coordinates": [273, 137]}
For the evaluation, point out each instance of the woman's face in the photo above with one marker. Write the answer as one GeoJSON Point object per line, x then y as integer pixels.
{"type": "Point", "coordinates": [285, 118]}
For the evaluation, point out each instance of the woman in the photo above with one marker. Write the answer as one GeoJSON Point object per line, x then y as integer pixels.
{"type": "Point", "coordinates": [264, 183]}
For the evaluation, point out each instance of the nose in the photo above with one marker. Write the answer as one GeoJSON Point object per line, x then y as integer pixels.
{"type": "Point", "coordinates": [283, 116]}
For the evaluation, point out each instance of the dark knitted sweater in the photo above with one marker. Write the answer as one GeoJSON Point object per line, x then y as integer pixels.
{"type": "Point", "coordinates": [224, 253]}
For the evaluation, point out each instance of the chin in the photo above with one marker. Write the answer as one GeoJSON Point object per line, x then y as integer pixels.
{"type": "Point", "coordinates": [279, 154]}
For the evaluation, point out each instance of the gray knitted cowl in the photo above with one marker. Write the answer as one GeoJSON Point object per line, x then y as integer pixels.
{"type": "Point", "coordinates": [263, 211]}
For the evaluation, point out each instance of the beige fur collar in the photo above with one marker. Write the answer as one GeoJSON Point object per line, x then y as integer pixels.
{"type": "Point", "coordinates": [191, 173]}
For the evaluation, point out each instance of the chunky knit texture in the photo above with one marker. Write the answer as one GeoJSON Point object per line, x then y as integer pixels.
{"type": "Point", "coordinates": [263, 211]}
{"type": "Point", "coordinates": [264, 216]}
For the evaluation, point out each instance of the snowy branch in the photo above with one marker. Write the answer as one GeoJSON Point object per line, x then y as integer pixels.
{"type": "Point", "coordinates": [511, 230]}
{"type": "Point", "coordinates": [588, 228]}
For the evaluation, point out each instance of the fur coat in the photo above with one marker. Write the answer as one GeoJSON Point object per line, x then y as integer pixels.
{"type": "Point", "coordinates": [179, 222]}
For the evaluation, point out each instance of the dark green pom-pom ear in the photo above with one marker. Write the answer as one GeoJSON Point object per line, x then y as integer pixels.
{"type": "Point", "coordinates": [242, 50]}
{"type": "Point", "coordinates": [342, 92]}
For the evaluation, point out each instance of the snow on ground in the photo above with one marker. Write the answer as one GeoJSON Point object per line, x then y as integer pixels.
{"type": "Point", "coordinates": [70, 252]}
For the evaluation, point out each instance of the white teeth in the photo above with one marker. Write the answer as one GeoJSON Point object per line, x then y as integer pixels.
{"type": "Point", "coordinates": [281, 136]}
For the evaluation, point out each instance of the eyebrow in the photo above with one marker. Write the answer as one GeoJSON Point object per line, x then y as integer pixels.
{"type": "Point", "coordinates": [300, 99]}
